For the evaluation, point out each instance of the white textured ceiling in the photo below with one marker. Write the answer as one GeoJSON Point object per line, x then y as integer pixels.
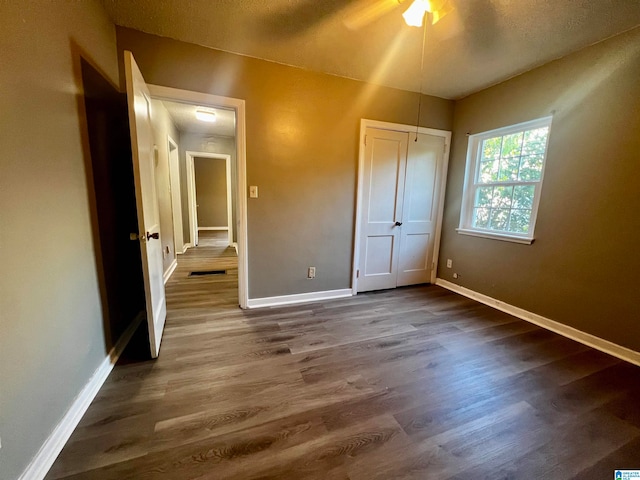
{"type": "Point", "coordinates": [184, 118]}
{"type": "Point", "coordinates": [482, 43]}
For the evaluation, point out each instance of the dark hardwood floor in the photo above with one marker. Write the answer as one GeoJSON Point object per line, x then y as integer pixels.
{"type": "Point", "coordinates": [416, 383]}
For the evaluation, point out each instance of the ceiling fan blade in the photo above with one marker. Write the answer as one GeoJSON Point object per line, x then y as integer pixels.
{"type": "Point", "coordinates": [363, 12]}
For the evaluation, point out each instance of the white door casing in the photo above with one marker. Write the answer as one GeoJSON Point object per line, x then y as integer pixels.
{"type": "Point", "coordinates": [192, 194]}
{"type": "Point", "coordinates": [238, 105]}
{"type": "Point", "coordinates": [174, 185]}
{"type": "Point", "coordinates": [143, 153]}
{"type": "Point", "coordinates": [409, 182]}
{"type": "Point", "coordinates": [191, 200]}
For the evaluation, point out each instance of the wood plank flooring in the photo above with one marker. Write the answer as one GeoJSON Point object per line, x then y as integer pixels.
{"type": "Point", "coordinates": [416, 383]}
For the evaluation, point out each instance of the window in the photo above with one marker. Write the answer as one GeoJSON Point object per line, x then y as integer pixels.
{"type": "Point", "coordinates": [503, 181]}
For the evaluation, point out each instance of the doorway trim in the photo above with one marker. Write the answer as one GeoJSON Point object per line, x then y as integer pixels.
{"type": "Point", "coordinates": [238, 105]}
{"type": "Point", "coordinates": [174, 185]}
{"type": "Point", "coordinates": [397, 127]}
{"type": "Point", "coordinates": [192, 194]}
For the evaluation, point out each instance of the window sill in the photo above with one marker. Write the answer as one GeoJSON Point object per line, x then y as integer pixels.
{"type": "Point", "coordinates": [495, 236]}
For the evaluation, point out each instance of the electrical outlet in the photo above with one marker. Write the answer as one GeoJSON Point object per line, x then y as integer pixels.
{"type": "Point", "coordinates": [311, 272]}
{"type": "Point", "coordinates": [455, 275]}
{"type": "Point", "coordinates": [449, 263]}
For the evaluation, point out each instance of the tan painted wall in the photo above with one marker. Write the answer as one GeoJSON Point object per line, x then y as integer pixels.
{"type": "Point", "coordinates": [162, 127]}
{"type": "Point", "coordinates": [302, 147]}
{"type": "Point", "coordinates": [211, 192]}
{"type": "Point", "coordinates": [583, 268]}
{"type": "Point", "coordinates": [52, 336]}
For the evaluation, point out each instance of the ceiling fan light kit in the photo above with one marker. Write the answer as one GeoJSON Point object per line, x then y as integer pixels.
{"type": "Point", "coordinates": [414, 15]}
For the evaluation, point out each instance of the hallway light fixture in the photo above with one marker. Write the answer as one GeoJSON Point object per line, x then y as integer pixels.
{"type": "Point", "coordinates": [205, 115]}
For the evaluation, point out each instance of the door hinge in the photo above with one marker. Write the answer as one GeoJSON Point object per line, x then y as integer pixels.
{"type": "Point", "coordinates": [444, 149]}
{"type": "Point", "coordinates": [358, 273]}
{"type": "Point", "coordinates": [365, 140]}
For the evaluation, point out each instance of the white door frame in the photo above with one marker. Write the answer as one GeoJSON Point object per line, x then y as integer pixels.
{"type": "Point", "coordinates": [398, 127]}
{"type": "Point", "coordinates": [238, 105]}
{"type": "Point", "coordinates": [176, 203]}
{"type": "Point", "coordinates": [191, 192]}
{"type": "Point", "coordinates": [192, 206]}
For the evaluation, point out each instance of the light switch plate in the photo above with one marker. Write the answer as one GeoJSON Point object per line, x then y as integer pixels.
{"type": "Point", "coordinates": [253, 191]}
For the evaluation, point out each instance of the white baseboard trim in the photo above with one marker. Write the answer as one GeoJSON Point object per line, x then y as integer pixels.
{"type": "Point", "coordinates": [170, 270]}
{"type": "Point", "coordinates": [585, 338]}
{"type": "Point", "coordinates": [186, 247]}
{"type": "Point", "coordinates": [53, 445]}
{"type": "Point", "coordinates": [235, 245]}
{"type": "Point", "coordinates": [214, 228]}
{"type": "Point", "coordinates": [298, 298]}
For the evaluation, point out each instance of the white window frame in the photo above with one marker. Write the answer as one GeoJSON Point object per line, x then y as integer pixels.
{"type": "Point", "coordinates": [470, 183]}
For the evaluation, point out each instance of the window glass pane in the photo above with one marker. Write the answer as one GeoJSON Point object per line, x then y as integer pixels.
{"type": "Point", "coordinates": [489, 171]}
{"type": "Point", "coordinates": [512, 144]}
{"type": "Point", "coordinates": [481, 217]}
{"type": "Point", "coordinates": [491, 148]}
{"type": "Point", "coordinates": [499, 218]}
{"type": "Point", "coordinates": [523, 196]}
{"type": "Point", "coordinates": [483, 197]}
{"type": "Point", "coordinates": [519, 221]}
{"type": "Point", "coordinates": [531, 168]}
{"type": "Point", "coordinates": [509, 169]}
{"type": "Point", "coordinates": [535, 141]}
{"type": "Point", "coordinates": [501, 197]}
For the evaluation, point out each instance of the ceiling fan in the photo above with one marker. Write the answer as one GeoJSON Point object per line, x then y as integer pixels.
{"type": "Point", "coordinates": [364, 12]}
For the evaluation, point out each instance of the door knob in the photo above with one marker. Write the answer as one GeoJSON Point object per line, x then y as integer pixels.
{"type": "Point", "coordinates": [155, 236]}
{"type": "Point", "coordinates": [135, 236]}
{"type": "Point", "coordinates": [398, 224]}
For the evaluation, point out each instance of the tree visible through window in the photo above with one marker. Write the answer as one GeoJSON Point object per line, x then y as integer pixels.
{"type": "Point", "coordinates": [504, 176]}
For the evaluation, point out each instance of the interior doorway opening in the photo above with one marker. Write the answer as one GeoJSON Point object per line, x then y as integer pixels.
{"type": "Point", "coordinates": [210, 194]}
{"type": "Point", "coordinates": [196, 142]}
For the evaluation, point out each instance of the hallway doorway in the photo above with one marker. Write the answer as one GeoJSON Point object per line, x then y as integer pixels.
{"type": "Point", "coordinates": [230, 114]}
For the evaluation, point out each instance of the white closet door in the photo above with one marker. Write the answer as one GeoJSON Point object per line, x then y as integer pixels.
{"type": "Point", "coordinates": [383, 188]}
{"type": "Point", "coordinates": [420, 211]}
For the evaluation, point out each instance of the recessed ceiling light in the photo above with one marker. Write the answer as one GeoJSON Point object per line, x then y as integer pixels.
{"type": "Point", "coordinates": [205, 115]}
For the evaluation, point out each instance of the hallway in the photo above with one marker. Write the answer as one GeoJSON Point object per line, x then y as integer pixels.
{"type": "Point", "coordinates": [411, 383]}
